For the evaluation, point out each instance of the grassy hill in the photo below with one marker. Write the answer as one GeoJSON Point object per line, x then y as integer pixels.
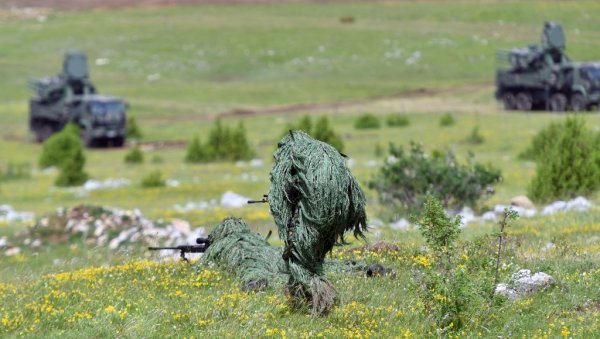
{"type": "Point", "coordinates": [181, 67]}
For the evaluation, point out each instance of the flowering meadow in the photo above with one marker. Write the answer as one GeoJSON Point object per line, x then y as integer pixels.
{"type": "Point", "coordinates": [150, 297]}
{"type": "Point", "coordinates": [181, 67]}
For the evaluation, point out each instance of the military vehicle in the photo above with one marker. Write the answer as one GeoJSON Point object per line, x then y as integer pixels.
{"type": "Point", "coordinates": [543, 77]}
{"type": "Point", "coordinates": [71, 97]}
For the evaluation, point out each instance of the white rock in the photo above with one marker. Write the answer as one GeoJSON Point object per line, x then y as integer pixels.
{"type": "Point", "coordinates": [504, 290]}
{"type": "Point", "coordinates": [522, 201]}
{"type": "Point", "coordinates": [579, 204]}
{"type": "Point", "coordinates": [467, 216]}
{"type": "Point", "coordinates": [172, 183]}
{"type": "Point", "coordinates": [371, 164]}
{"type": "Point", "coordinates": [557, 206]}
{"type": "Point", "coordinates": [37, 243]}
{"type": "Point", "coordinates": [527, 283]}
{"type": "Point", "coordinates": [92, 185]}
{"type": "Point", "coordinates": [9, 214]}
{"type": "Point", "coordinates": [375, 223]}
{"type": "Point", "coordinates": [230, 199]}
{"type": "Point", "coordinates": [153, 77]}
{"type": "Point", "coordinates": [488, 216]}
{"type": "Point", "coordinates": [12, 251]}
{"type": "Point", "coordinates": [102, 61]}
{"type": "Point", "coordinates": [3, 242]}
{"type": "Point", "coordinates": [256, 163]}
{"type": "Point", "coordinates": [549, 246]}
{"type": "Point", "coordinates": [414, 58]}
{"type": "Point", "coordinates": [401, 224]}
{"type": "Point", "coordinates": [181, 226]}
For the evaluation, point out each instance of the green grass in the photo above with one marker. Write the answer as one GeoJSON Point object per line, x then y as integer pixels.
{"type": "Point", "coordinates": [213, 59]}
{"type": "Point", "coordinates": [148, 299]}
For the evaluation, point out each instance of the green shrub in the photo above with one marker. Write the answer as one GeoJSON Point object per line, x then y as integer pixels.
{"type": "Point", "coordinates": [240, 147]}
{"type": "Point", "coordinates": [60, 146]}
{"type": "Point", "coordinates": [447, 120]}
{"type": "Point", "coordinates": [443, 287]}
{"type": "Point", "coordinates": [542, 141]}
{"type": "Point", "coordinates": [223, 144]}
{"type": "Point", "coordinates": [323, 132]}
{"type": "Point", "coordinates": [408, 177]}
{"type": "Point", "coordinates": [303, 124]}
{"type": "Point", "coordinates": [133, 131]}
{"type": "Point", "coordinates": [135, 156]}
{"type": "Point", "coordinates": [367, 121]}
{"type": "Point", "coordinates": [475, 138]}
{"type": "Point", "coordinates": [320, 131]}
{"type": "Point", "coordinates": [153, 179]}
{"type": "Point", "coordinates": [196, 152]}
{"type": "Point", "coordinates": [567, 166]}
{"type": "Point", "coordinates": [397, 120]}
{"type": "Point", "coordinates": [71, 170]}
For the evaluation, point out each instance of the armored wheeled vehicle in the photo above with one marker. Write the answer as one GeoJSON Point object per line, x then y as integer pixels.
{"type": "Point", "coordinates": [543, 77]}
{"type": "Point", "coordinates": [71, 97]}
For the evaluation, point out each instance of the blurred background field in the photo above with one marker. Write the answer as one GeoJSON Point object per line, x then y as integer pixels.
{"type": "Point", "coordinates": [181, 67]}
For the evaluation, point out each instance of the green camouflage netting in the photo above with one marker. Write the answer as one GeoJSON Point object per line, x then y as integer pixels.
{"type": "Point", "coordinates": [258, 265]}
{"type": "Point", "coordinates": [248, 255]}
{"type": "Point", "coordinates": [314, 200]}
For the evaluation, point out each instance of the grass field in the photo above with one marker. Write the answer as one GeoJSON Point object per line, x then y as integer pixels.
{"type": "Point", "coordinates": [180, 67]}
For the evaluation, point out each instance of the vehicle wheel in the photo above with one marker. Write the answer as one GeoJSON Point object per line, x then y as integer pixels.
{"type": "Point", "coordinates": [43, 132]}
{"type": "Point", "coordinates": [118, 142]}
{"type": "Point", "coordinates": [524, 102]}
{"type": "Point", "coordinates": [509, 101]}
{"type": "Point", "coordinates": [558, 102]}
{"type": "Point", "coordinates": [89, 140]}
{"type": "Point", "coordinates": [578, 102]}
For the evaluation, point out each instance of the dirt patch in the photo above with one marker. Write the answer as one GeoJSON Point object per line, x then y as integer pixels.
{"type": "Point", "coordinates": [319, 107]}
{"type": "Point", "coordinates": [405, 97]}
{"type": "Point", "coordinates": [109, 4]}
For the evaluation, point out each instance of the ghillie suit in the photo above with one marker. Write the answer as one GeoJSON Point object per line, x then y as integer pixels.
{"type": "Point", "coordinates": [314, 200]}
{"type": "Point", "coordinates": [244, 253]}
{"type": "Point", "coordinates": [258, 266]}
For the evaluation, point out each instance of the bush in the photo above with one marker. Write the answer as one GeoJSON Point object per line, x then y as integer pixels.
{"type": "Point", "coordinates": [240, 147]}
{"type": "Point", "coordinates": [133, 130]}
{"type": "Point", "coordinates": [542, 141]}
{"type": "Point", "coordinates": [71, 170]}
{"type": "Point", "coordinates": [367, 121]}
{"type": "Point", "coordinates": [320, 131]}
{"type": "Point", "coordinates": [324, 133]}
{"type": "Point", "coordinates": [442, 286]}
{"type": "Point", "coordinates": [223, 144]}
{"type": "Point", "coordinates": [196, 152]}
{"type": "Point", "coordinates": [567, 166]}
{"type": "Point", "coordinates": [135, 156]}
{"type": "Point", "coordinates": [475, 138]}
{"type": "Point", "coordinates": [397, 120]}
{"type": "Point", "coordinates": [60, 146]}
{"type": "Point", "coordinates": [408, 177]}
{"type": "Point", "coordinates": [153, 179]}
{"type": "Point", "coordinates": [447, 120]}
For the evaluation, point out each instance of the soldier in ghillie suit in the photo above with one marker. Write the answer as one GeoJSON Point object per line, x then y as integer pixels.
{"type": "Point", "coordinates": [314, 200]}
{"type": "Point", "coordinates": [244, 253]}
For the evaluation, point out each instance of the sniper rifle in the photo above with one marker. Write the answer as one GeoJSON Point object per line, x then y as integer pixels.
{"type": "Point", "coordinates": [201, 246]}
